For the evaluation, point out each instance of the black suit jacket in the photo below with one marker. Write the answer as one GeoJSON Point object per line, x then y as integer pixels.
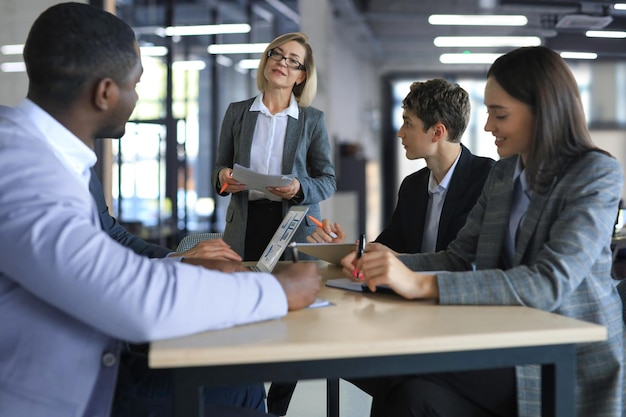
{"type": "Point", "coordinates": [116, 230]}
{"type": "Point", "coordinates": [406, 227]}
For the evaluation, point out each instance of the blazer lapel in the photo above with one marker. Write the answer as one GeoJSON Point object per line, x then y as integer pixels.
{"type": "Point", "coordinates": [529, 224]}
{"type": "Point", "coordinates": [496, 220]}
{"type": "Point", "coordinates": [247, 133]}
{"type": "Point", "coordinates": [292, 140]}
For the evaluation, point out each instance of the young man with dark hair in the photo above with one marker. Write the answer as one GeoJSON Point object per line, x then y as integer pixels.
{"type": "Point", "coordinates": [433, 202]}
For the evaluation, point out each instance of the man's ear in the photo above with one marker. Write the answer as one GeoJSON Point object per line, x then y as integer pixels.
{"type": "Point", "coordinates": [439, 132]}
{"type": "Point", "coordinates": [106, 94]}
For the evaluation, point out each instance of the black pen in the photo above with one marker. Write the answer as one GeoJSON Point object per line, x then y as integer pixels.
{"type": "Point", "coordinates": [359, 252]}
{"type": "Point", "coordinates": [361, 248]}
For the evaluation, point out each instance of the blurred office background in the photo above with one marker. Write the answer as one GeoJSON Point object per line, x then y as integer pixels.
{"type": "Point", "coordinates": [367, 53]}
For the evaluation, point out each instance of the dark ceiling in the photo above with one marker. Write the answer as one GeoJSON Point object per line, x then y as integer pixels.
{"type": "Point", "coordinates": [400, 37]}
{"type": "Point", "coordinates": [393, 34]}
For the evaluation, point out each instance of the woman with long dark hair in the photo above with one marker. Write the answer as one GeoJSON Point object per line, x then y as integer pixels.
{"type": "Point", "coordinates": [539, 236]}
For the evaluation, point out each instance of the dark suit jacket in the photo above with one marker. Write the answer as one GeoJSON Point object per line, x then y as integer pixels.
{"type": "Point", "coordinates": [116, 230]}
{"type": "Point", "coordinates": [406, 227]}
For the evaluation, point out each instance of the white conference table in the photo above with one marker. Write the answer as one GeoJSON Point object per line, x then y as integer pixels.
{"type": "Point", "coordinates": [366, 335]}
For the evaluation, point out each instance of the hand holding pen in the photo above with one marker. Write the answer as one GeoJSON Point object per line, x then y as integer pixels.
{"type": "Point", "coordinates": [226, 179]}
{"type": "Point", "coordinates": [360, 249]}
{"type": "Point", "coordinates": [325, 232]}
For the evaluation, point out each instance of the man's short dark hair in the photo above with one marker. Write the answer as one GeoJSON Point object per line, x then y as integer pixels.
{"type": "Point", "coordinates": [438, 100]}
{"type": "Point", "coordinates": [73, 44]}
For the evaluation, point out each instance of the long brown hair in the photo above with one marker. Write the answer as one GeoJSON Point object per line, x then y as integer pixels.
{"type": "Point", "coordinates": [540, 78]}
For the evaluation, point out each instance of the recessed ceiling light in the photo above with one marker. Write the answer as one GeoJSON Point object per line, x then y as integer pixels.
{"type": "Point", "coordinates": [468, 58]}
{"type": "Point", "coordinates": [12, 49]}
{"type": "Point", "coordinates": [612, 34]}
{"type": "Point", "coordinates": [153, 50]}
{"type": "Point", "coordinates": [13, 67]}
{"type": "Point", "coordinates": [478, 20]}
{"type": "Point", "coordinates": [578, 55]}
{"type": "Point", "coordinates": [237, 48]}
{"type": "Point", "coordinates": [486, 41]}
{"type": "Point", "coordinates": [207, 29]}
{"type": "Point", "coordinates": [250, 64]}
{"type": "Point", "coordinates": [193, 30]}
{"type": "Point", "coordinates": [191, 65]}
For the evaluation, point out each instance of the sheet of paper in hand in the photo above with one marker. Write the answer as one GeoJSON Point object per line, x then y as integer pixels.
{"type": "Point", "coordinates": [257, 181]}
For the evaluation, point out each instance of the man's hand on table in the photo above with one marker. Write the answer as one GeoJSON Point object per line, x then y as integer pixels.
{"type": "Point", "coordinates": [301, 282]}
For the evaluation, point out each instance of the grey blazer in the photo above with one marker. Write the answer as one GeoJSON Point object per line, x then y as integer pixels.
{"type": "Point", "coordinates": [562, 264]}
{"type": "Point", "coordinates": [306, 155]}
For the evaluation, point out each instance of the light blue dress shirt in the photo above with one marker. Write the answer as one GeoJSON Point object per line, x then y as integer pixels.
{"type": "Point", "coordinates": [519, 205]}
{"type": "Point", "coordinates": [68, 292]}
{"type": "Point", "coordinates": [436, 198]}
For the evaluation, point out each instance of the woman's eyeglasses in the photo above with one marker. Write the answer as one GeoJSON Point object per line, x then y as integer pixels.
{"type": "Point", "coordinates": [290, 62]}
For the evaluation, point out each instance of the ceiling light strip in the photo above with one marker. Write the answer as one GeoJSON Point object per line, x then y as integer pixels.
{"type": "Point", "coordinates": [477, 20]}
{"type": "Point", "coordinates": [12, 49]}
{"type": "Point", "coordinates": [468, 58]}
{"type": "Point", "coordinates": [13, 67]}
{"type": "Point", "coordinates": [237, 48]}
{"type": "Point", "coordinates": [193, 30]}
{"type": "Point", "coordinates": [250, 64]}
{"type": "Point", "coordinates": [207, 29]}
{"type": "Point", "coordinates": [578, 55]}
{"type": "Point", "coordinates": [191, 65]}
{"type": "Point", "coordinates": [153, 50]}
{"type": "Point", "coordinates": [611, 34]}
{"type": "Point", "coordinates": [486, 41]}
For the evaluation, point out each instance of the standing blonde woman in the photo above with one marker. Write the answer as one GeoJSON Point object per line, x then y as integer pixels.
{"type": "Point", "coordinates": [276, 132]}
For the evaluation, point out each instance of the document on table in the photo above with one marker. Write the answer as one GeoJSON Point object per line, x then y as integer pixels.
{"type": "Point", "coordinates": [319, 302]}
{"type": "Point", "coordinates": [346, 284]}
{"type": "Point", "coordinates": [257, 181]}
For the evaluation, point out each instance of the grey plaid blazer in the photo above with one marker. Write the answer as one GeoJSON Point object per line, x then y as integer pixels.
{"type": "Point", "coordinates": [562, 264]}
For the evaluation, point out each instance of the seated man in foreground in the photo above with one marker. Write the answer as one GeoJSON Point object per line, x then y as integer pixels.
{"type": "Point", "coordinates": [69, 294]}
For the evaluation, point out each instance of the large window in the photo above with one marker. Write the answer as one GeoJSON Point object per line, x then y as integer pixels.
{"type": "Point", "coordinates": [139, 158]}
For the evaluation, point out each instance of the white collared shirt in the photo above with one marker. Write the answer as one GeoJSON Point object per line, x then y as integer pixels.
{"type": "Point", "coordinates": [436, 198]}
{"type": "Point", "coordinates": [268, 142]}
{"type": "Point", "coordinates": [71, 151]}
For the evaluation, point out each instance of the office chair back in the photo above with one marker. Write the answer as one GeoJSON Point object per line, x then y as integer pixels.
{"type": "Point", "coordinates": [190, 241]}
